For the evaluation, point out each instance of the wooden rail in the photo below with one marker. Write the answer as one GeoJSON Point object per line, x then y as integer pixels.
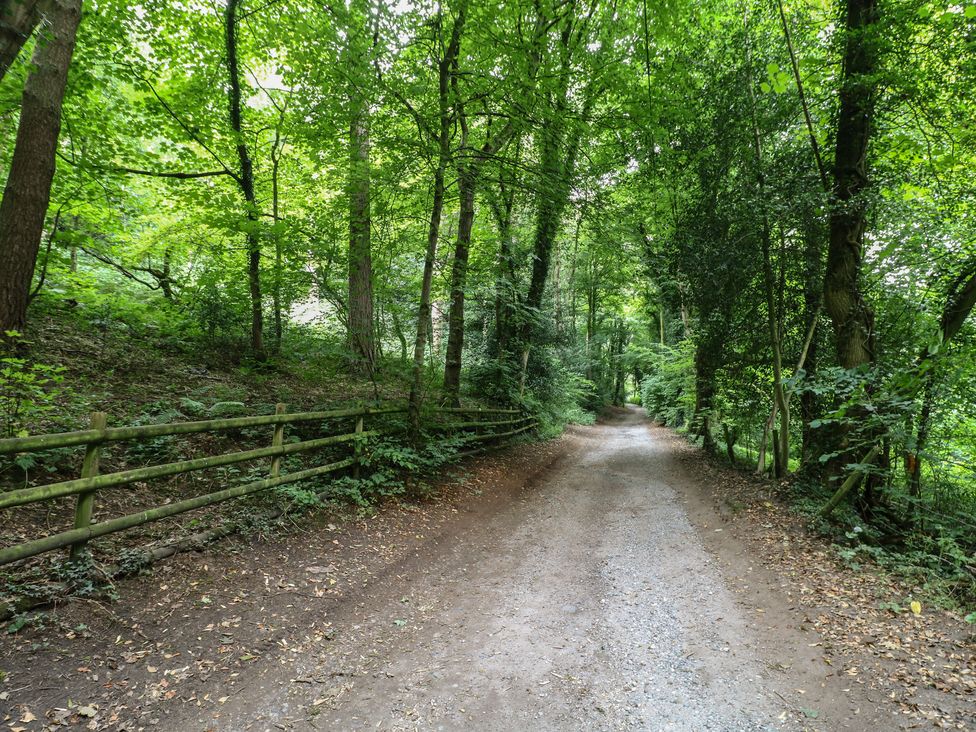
{"type": "Point", "coordinates": [87, 486]}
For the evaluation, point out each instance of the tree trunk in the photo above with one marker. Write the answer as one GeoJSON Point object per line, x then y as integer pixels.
{"type": "Point", "coordinates": [731, 436]}
{"type": "Point", "coordinates": [443, 140]}
{"type": "Point", "coordinates": [166, 281]}
{"type": "Point", "coordinates": [506, 279]}
{"type": "Point", "coordinates": [851, 317]}
{"type": "Point", "coordinates": [361, 328]}
{"type": "Point", "coordinates": [18, 19]}
{"type": "Point", "coordinates": [560, 147]}
{"type": "Point", "coordinates": [705, 368]}
{"type": "Point", "coordinates": [361, 333]}
{"type": "Point", "coordinates": [459, 272]}
{"type": "Point", "coordinates": [276, 149]}
{"type": "Point", "coordinates": [28, 188]}
{"type": "Point", "coordinates": [781, 446]}
{"type": "Point", "coordinates": [618, 388]}
{"type": "Point", "coordinates": [245, 179]}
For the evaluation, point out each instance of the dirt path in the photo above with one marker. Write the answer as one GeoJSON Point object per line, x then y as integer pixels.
{"type": "Point", "coordinates": [584, 599]}
{"type": "Point", "coordinates": [588, 603]}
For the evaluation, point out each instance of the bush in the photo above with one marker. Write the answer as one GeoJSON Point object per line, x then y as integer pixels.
{"type": "Point", "coordinates": [668, 390]}
{"type": "Point", "coordinates": [28, 392]}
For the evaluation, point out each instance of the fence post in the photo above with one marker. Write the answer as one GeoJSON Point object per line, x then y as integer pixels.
{"type": "Point", "coordinates": [277, 440]}
{"type": "Point", "coordinates": [89, 469]}
{"type": "Point", "coordinates": [358, 447]}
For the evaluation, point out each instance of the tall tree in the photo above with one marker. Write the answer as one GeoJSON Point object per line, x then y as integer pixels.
{"type": "Point", "coordinates": [561, 137]}
{"type": "Point", "coordinates": [245, 179]}
{"type": "Point", "coordinates": [441, 138]}
{"type": "Point", "coordinates": [18, 19]}
{"type": "Point", "coordinates": [360, 290]}
{"type": "Point", "coordinates": [470, 160]}
{"type": "Point", "coordinates": [852, 317]}
{"type": "Point", "coordinates": [28, 188]}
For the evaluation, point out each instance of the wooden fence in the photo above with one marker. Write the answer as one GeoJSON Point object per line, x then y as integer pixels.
{"type": "Point", "coordinates": [91, 481]}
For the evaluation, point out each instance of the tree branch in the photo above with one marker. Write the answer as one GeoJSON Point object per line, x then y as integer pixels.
{"type": "Point", "coordinates": [185, 127]}
{"type": "Point", "coordinates": [139, 171]}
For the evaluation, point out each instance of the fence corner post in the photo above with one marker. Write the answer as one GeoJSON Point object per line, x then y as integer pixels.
{"type": "Point", "coordinates": [358, 445]}
{"type": "Point", "coordinates": [89, 469]}
{"type": "Point", "coordinates": [277, 440]}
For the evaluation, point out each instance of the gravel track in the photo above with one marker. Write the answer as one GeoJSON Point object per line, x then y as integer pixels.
{"type": "Point", "coordinates": [587, 603]}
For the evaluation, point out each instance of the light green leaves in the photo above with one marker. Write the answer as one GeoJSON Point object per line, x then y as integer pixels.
{"type": "Point", "coordinates": [777, 80]}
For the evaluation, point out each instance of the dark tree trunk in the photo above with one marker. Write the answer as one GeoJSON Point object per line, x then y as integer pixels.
{"type": "Point", "coordinates": [618, 357]}
{"type": "Point", "coordinates": [276, 149]}
{"type": "Point", "coordinates": [443, 141]}
{"type": "Point", "coordinates": [361, 325]}
{"type": "Point", "coordinates": [559, 151]}
{"type": "Point", "coordinates": [459, 273]}
{"type": "Point", "coordinates": [704, 398]}
{"type": "Point", "coordinates": [245, 179]}
{"type": "Point", "coordinates": [18, 19]}
{"type": "Point", "coordinates": [852, 318]}
{"type": "Point", "coordinates": [843, 298]}
{"type": "Point", "coordinates": [166, 278]}
{"type": "Point", "coordinates": [28, 188]}
{"type": "Point", "coordinates": [361, 333]}
{"type": "Point", "coordinates": [506, 279]}
{"type": "Point", "coordinates": [731, 437]}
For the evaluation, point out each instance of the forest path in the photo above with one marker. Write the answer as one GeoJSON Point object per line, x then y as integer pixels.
{"type": "Point", "coordinates": [586, 583]}
{"type": "Point", "coordinates": [587, 602]}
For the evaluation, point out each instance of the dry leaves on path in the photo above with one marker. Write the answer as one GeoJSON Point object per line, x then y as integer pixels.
{"type": "Point", "coordinates": [875, 629]}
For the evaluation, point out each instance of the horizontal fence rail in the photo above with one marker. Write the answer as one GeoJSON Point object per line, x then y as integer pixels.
{"type": "Point", "coordinates": [37, 443]}
{"type": "Point", "coordinates": [91, 481]}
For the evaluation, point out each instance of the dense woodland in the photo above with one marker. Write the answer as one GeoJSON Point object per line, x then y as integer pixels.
{"type": "Point", "coordinates": [755, 218]}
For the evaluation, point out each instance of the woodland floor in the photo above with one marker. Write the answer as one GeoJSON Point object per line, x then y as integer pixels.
{"type": "Point", "coordinates": [608, 580]}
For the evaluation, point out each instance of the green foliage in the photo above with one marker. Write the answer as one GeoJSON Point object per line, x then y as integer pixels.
{"type": "Point", "coordinates": [84, 578]}
{"type": "Point", "coordinates": [131, 561]}
{"type": "Point", "coordinates": [25, 620]}
{"type": "Point", "coordinates": [935, 553]}
{"type": "Point", "coordinates": [28, 390]}
{"type": "Point", "coordinates": [558, 396]}
{"type": "Point", "coordinates": [394, 467]}
{"type": "Point", "coordinates": [226, 409]}
{"type": "Point", "coordinates": [668, 390]}
{"type": "Point", "coordinates": [299, 495]}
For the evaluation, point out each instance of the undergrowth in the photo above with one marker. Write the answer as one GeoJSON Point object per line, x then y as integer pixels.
{"type": "Point", "coordinates": [933, 554]}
